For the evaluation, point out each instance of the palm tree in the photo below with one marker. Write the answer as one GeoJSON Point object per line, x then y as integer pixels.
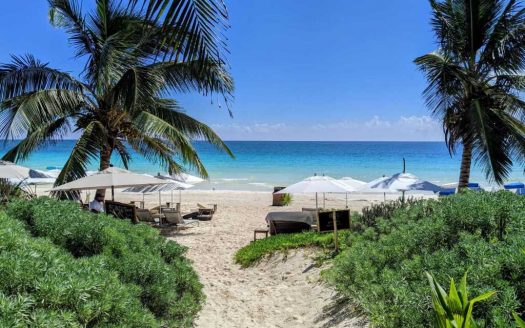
{"type": "Point", "coordinates": [121, 101]}
{"type": "Point", "coordinates": [475, 80]}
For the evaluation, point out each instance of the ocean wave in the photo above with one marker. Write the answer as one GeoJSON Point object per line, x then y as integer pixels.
{"type": "Point", "coordinates": [259, 184]}
{"type": "Point", "coordinates": [234, 179]}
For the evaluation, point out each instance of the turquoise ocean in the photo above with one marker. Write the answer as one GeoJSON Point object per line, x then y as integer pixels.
{"type": "Point", "coordinates": [260, 165]}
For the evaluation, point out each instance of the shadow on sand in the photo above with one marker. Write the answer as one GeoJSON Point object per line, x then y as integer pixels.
{"type": "Point", "coordinates": [341, 313]}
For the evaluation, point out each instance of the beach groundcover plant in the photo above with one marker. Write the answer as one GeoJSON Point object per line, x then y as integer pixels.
{"type": "Point", "coordinates": [383, 268]}
{"type": "Point", "coordinates": [133, 62]}
{"type": "Point", "coordinates": [475, 81]}
{"type": "Point", "coordinates": [61, 266]}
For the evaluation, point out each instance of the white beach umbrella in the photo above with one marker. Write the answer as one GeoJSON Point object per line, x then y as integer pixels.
{"type": "Point", "coordinates": [402, 182]}
{"type": "Point", "coordinates": [18, 174]}
{"type": "Point", "coordinates": [9, 170]}
{"type": "Point", "coordinates": [316, 184]}
{"type": "Point", "coordinates": [112, 177]}
{"type": "Point", "coordinates": [186, 178]}
{"type": "Point", "coordinates": [353, 184]}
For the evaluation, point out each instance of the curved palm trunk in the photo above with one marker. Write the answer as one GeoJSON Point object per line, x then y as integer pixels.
{"type": "Point", "coordinates": [466, 162]}
{"type": "Point", "coordinates": [105, 161]}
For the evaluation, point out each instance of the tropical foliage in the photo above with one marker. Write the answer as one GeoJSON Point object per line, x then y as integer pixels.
{"type": "Point", "coordinates": [121, 101]}
{"type": "Point", "coordinates": [61, 266]}
{"type": "Point", "coordinates": [383, 267]}
{"type": "Point", "coordinates": [201, 22]}
{"type": "Point", "coordinates": [475, 80]}
{"type": "Point", "coordinates": [454, 309]}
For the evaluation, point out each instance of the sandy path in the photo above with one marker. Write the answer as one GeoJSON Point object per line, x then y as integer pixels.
{"type": "Point", "coordinates": [275, 293]}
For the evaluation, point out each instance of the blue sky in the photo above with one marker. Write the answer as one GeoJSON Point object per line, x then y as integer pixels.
{"type": "Point", "coordinates": [304, 70]}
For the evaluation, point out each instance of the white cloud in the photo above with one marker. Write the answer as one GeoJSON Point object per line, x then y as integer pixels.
{"type": "Point", "coordinates": [411, 128]}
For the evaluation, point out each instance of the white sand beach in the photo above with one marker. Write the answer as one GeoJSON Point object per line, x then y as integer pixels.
{"type": "Point", "coordinates": [275, 293]}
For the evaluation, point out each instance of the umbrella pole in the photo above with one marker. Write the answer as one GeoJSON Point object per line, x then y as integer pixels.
{"type": "Point", "coordinates": [324, 200]}
{"type": "Point", "coordinates": [180, 197]}
{"type": "Point", "coordinates": [316, 203]}
{"type": "Point", "coordinates": [112, 193]}
{"type": "Point", "coordinates": [346, 194]}
{"type": "Point", "coordinates": [384, 196]}
{"type": "Point", "coordinates": [403, 197]}
{"type": "Point", "coordinates": [143, 199]}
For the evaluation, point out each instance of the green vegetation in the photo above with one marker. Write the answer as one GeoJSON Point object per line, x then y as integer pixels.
{"type": "Point", "coordinates": [122, 100]}
{"type": "Point", "coordinates": [382, 263]}
{"type": "Point", "coordinates": [454, 309]}
{"type": "Point", "coordinates": [61, 266]}
{"type": "Point", "coordinates": [482, 233]}
{"type": "Point", "coordinates": [287, 199]}
{"type": "Point", "coordinates": [257, 250]}
{"type": "Point", "coordinates": [475, 81]}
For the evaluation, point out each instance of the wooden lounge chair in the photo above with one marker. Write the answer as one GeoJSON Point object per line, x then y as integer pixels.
{"type": "Point", "coordinates": [173, 217]}
{"type": "Point", "coordinates": [278, 227]}
{"type": "Point", "coordinates": [145, 216]}
{"type": "Point", "coordinates": [213, 207]}
{"type": "Point", "coordinates": [204, 213]}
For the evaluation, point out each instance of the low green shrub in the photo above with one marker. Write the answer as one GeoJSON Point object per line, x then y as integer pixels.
{"type": "Point", "coordinates": [42, 285]}
{"type": "Point", "coordinates": [136, 254]}
{"type": "Point", "coordinates": [384, 269]}
{"type": "Point", "coordinates": [385, 210]}
{"type": "Point", "coordinates": [257, 250]}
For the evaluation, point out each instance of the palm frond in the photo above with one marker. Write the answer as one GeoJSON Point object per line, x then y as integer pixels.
{"type": "Point", "coordinates": [68, 14]}
{"type": "Point", "coordinates": [31, 110]}
{"type": "Point", "coordinates": [155, 150]}
{"type": "Point", "coordinates": [195, 27]}
{"type": "Point", "coordinates": [86, 149]}
{"type": "Point", "coordinates": [38, 138]}
{"type": "Point", "coordinates": [27, 74]}
{"type": "Point", "coordinates": [206, 76]}
{"type": "Point", "coordinates": [170, 112]}
{"type": "Point", "coordinates": [177, 141]}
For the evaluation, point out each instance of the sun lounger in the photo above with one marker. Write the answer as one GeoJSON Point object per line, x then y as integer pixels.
{"type": "Point", "coordinates": [173, 217]}
{"type": "Point", "coordinates": [290, 222]}
{"type": "Point", "coordinates": [474, 186]}
{"type": "Point", "coordinates": [447, 192]}
{"type": "Point", "coordinates": [203, 213]}
{"type": "Point", "coordinates": [145, 216]}
{"type": "Point", "coordinates": [213, 208]}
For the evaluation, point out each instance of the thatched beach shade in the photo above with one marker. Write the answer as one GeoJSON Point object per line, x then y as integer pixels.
{"type": "Point", "coordinates": [112, 177]}
{"type": "Point", "coordinates": [171, 185]}
{"type": "Point", "coordinates": [316, 184]}
{"type": "Point", "coordinates": [185, 178]}
{"type": "Point", "coordinates": [353, 184]}
{"type": "Point", "coordinates": [401, 182]}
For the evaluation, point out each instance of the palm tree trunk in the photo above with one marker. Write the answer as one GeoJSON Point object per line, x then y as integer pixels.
{"type": "Point", "coordinates": [105, 162]}
{"type": "Point", "coordinates": [466, 163]}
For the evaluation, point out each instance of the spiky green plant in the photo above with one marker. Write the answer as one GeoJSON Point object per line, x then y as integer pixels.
{"type": "Point", "coordinates": [519, 321]}
{"type": "Point", "coordinates": [122, 100]}
{"type": "Point", "coordinates": [287, 199]}
{"type": "Point", "coordinates": [455, 309]}
{"type": "Point", "coordinates": [475, 81]}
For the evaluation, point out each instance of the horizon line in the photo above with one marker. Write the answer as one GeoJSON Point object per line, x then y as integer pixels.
{"type": "Point", "coordinates": [253, 140]}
